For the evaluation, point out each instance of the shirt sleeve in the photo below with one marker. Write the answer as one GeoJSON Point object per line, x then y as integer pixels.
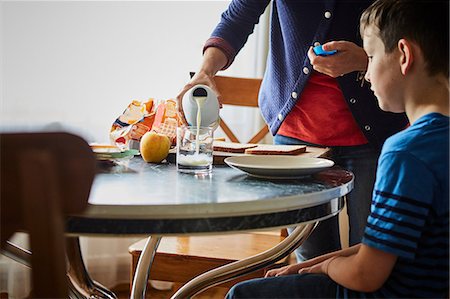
{"type": "Point", "coordinates": [235, 25]}
{"type": "Point", "coordinates": [224, 46]}
{"type": "Point", "coordinates": [402, 199]}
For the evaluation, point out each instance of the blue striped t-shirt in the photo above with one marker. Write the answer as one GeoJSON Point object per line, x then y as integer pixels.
{"type": "Point", "coordinates": [410, 209]}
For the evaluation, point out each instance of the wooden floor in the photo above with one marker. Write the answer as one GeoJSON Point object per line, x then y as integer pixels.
{"type": "Point", "coordinates": [122, 292]}
{"type": "Point", "coordinates": [213, 293]}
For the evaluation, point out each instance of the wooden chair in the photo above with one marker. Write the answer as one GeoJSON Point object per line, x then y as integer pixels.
{"type": "Point", "coordinates": [242, 92]}
{"type": "Point", "coordinates": [179, 259]}
{"type": "Point", "coordinates": [44, 177]}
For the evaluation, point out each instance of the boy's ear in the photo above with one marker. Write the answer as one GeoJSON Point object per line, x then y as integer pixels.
{"type": "Point", "coordinates": [406, 55]}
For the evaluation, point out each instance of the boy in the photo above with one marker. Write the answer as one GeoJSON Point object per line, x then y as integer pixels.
{"type": "Point", "coordinates": [405, 249]}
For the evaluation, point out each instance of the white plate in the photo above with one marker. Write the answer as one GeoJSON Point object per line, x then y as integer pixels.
{"type": "Point", "coordinates": [279, 167]}
{"type": "Point", "coordinates": [112, 153]}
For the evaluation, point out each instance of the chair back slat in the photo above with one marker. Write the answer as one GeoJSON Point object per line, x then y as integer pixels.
{"type": "Point", "coordinates": [239, 92]}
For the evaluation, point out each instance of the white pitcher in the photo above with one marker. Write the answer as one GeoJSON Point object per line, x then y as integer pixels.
{"type": "Point", "coordinates": [201, 96]}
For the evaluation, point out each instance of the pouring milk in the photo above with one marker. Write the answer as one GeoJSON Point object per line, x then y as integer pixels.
{"type": "Point", "coordinates": [200, 103]}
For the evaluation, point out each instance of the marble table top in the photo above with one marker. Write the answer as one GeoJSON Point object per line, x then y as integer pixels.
{"type": "Point", "coordinates": [145, 198]}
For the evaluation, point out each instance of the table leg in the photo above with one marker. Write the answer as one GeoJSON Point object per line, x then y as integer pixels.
{"type": "Point", "coordinates": [80, 283]}
{"type": "Point", "coordinates": [239, 268]}
{"type": "Point", "coordinates": [17, 253]}
{"type": "Point", "coordinates": [143, 267]}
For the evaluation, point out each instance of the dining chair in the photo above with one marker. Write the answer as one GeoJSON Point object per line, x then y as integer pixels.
{"type": "Point", "coordinates": [240, 92]}
{"type": "Point", "coordinates": [179, 259]}
{"type": "Point", "coordinates": [44, 177]}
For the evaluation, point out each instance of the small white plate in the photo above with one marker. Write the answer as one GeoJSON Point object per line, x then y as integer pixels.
{"type": "Point", "coordinates": [112, 153]}
{"type": "Point", "coordinates": [278, 167]}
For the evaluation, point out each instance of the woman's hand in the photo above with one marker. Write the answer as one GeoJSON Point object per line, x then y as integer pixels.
{"type": "Point", "coordinates": [349, 58]}
{"type": "Point", "coordinates": [213, 60]}
{"type": "Point", "coordinates": [199, 78]}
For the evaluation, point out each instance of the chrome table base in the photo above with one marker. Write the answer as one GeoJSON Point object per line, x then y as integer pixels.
{"type": "Point", "coordinates": [221, 274]}
{"type": "Point", "coordinates": [143, 267]}
{"type": "Point", "coordinates": [82, 286]}
{"type": "Point", "coordinates": [245, 266]}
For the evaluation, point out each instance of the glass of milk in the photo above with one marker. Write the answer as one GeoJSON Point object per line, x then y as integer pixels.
{"type": "Point", "coordinates": [195, 149]}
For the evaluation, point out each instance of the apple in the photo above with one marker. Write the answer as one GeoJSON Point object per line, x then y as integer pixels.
{"type": "Point", "coordinates": [154, 147]}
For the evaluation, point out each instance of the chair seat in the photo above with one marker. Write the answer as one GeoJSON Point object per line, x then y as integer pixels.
{"type": "Point", "coordinates": [179, 259]}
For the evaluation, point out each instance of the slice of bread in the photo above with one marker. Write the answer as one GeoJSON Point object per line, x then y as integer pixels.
{"type": "Point", "coordinates": [231, 147]}
{"type": "Point", "coordinates": [271, 149]}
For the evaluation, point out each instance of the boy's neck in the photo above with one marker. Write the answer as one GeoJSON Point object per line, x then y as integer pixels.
{"type": "Point", "coordinates": [428, 96]}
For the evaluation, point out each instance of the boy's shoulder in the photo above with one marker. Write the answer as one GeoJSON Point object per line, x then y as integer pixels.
{"type": "Point", "coordinates": [414, 162]}
{"type": "Point", "coordinates": [430, 133]}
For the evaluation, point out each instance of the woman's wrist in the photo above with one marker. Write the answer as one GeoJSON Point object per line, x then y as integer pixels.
{"type": "Point", "coordinates": [363, 61]}
{"type": "Point", "coordinates": [213, 61]}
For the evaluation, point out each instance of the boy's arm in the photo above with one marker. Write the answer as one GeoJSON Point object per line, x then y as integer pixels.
{"type": "Point", "coordinates": [295, 268]}
{"type": "Point", "coordinates": [365, 271]}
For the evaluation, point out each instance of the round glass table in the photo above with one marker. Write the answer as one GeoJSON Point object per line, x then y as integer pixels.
{"type": "Point", "coordinates": [154, 199]}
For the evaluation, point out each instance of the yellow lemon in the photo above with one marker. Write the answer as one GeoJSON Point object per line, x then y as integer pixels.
{"type": "Point", "coordinates": [154, 147]}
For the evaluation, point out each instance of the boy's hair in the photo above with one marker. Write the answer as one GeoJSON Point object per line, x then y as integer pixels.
{"type": "Point", "coordinates": [426, 22]}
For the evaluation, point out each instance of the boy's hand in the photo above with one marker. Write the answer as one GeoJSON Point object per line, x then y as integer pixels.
{"type": "Point", "coordinates": [349, 58]}
{"type": "Point", "coordinates": [318, 265]}
{"type": "Point", "coordinates": [286, 270]}
{"type": "Point", "coordinates": [293, 269]}
{"type": "Point", "coordinates": [319, 268]}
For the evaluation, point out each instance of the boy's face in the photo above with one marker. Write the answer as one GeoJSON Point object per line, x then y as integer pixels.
{"type": "Point", "coordinates": [383, 72]}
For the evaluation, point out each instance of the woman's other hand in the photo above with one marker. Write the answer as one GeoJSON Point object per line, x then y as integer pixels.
{"type": "Point", "coordinates": [349, 58]}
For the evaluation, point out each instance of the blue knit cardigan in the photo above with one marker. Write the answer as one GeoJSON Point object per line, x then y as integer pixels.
{"type": "Point", "coordinates": [295, 26]}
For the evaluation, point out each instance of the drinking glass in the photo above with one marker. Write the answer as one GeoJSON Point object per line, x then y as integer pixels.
{"type": "Point", "coordinates": [195, 149]}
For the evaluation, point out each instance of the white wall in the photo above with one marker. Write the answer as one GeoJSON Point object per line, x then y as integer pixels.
{"type": "Point", "coordinates": [80, 63]}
